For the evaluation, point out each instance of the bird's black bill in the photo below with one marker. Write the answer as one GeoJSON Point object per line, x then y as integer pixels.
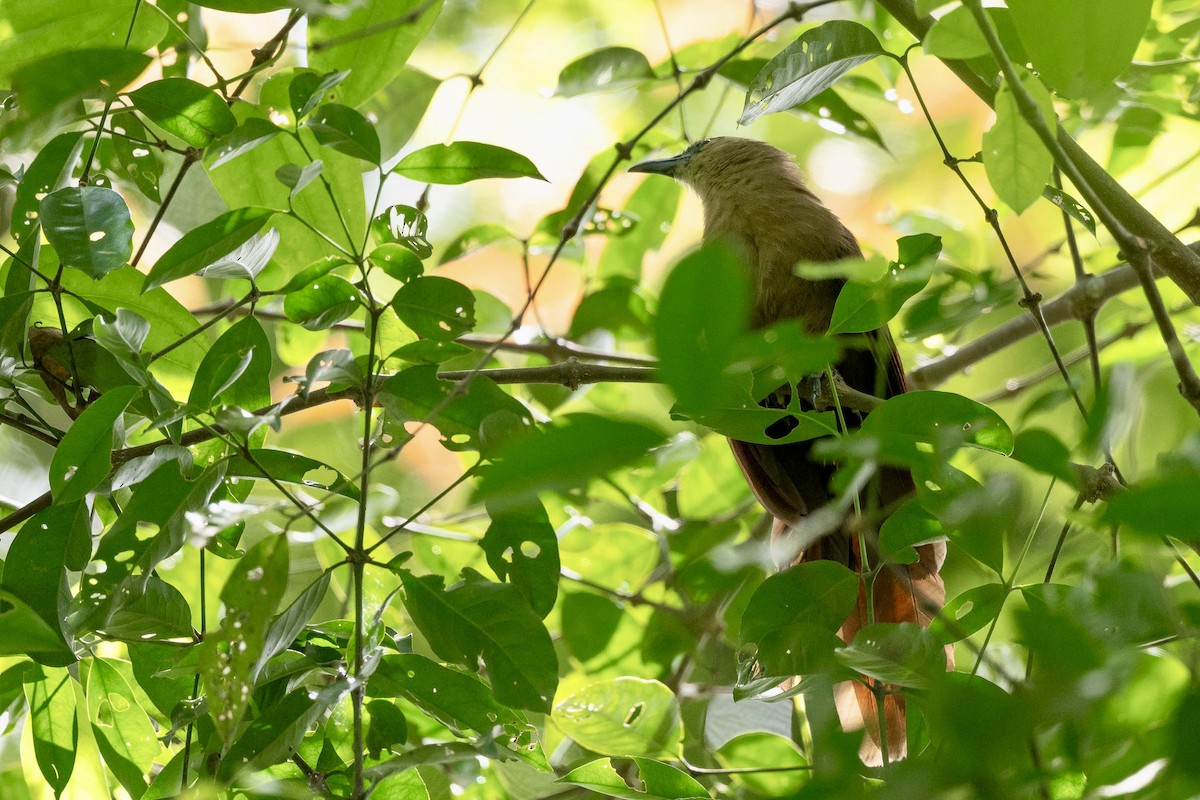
{"type": "Point", "coordinates": [662, 166]}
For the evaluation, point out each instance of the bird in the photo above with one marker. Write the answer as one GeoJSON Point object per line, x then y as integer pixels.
{"type": "Point", "coordinates": [756, 200]}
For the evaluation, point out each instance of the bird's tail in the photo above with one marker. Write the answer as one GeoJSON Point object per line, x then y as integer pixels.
{"type": "Point", "coordinates": [901, 593]}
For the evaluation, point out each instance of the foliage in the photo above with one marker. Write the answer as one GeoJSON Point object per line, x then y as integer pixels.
{"type": "Point", "coordinates": [207, 593]}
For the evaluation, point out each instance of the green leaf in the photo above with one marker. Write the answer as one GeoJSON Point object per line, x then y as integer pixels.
{"type": "Point", "coordinates": [124, 336]}
{"type": "Point", "coordinates": [274, 735]}
{"type": "Point", "coordinates": [905, 528]}
{"type": "Point", "coordinates": [122, 729]}
{"type": "Point", "coordinates": [1042, 450]}
{"type": "Point", "coordinates": [436, 307]}
{"type": "Point", "coordinates": [89, 227]}
{"type": "Point", "coordinates": [247, 136]}
{"type": "Point", "coordinates": [809, 66]}
{"type": "Point", "coordinates": [50, 170]}
{"type": "Point", "coordinates": [236, 370]}
{"type": "Point", "coordinates": [1017, 163]}
{"type": "Point", "coordinates": [323, 303]}
{"type": "Point", "coordinates": [956, 35]}
{"type": "Point", "coordinates": [522, 548]}
{"type": "Point", "coordinates": [622, 716]}
{"type": "Point", "coordinates": [653, 204]}
{"type": "Point", "coordinates": [821, 593]}
{"type": "Point", "coordinates": [194, 113]}
{"type": "Point", "coordinates": [308, 89]}
{"type": "Point", "coordinates": [969, 612]}
{"type": "Point", "coordinates": [1157, 506]}
{"type": "Point", "coordinates": [479, 619]}
{"type": "Point", "coordinates": [368, 43]}
{"type": "Point", "coordinates": [397, 261]}
{"type": "Point", "coordinates": [694, 345]}
{"type": "Point", "coordinates": [403, 225]}
{"type": "Point", "coordinates": [460, 162]}
{"type": "Point", "coordinates": [290, 468]}
{"type": "Point", "coordinates": [158, 613]}
{"type": "Point", "coordinates": [388, 730]}
{"type": "Point", "coordinates": [771, 755]}
{"type": "Point", "coordinates": [347, 131]}
{"type": "Point", "coordinates": [44, 84]}
{"type": "Point", "coordinates": [936, 417]}
{"type": "Point", "coordinates": [399, 108]}
{"type": "Point", "coordinates": [229, 656]}
{"type": "Point", "coordinates": [284, 629]}
{"type": "Point", "coordinates": [208, 244]}
{"type": "Point", "coordinates": [608, 68]}
{"type": "Point", "coordinates": [36, 30]}
{"type": "Point", "coordinates": [865, 306]}
{"type": "Point", "coordinates": [140, 162]}
{"type": "Point", "coordinates": [899, 653]}
{"type": "Point", "coordinates": [1080, 46]}
{"type": "Point", "coordinates": [459, 700]}
{"type": "Point", "coordinates": [467, 421]}
{"type": "Point", "coordinates": [84, 457]}
{"type": "Point", "coordinates": [1076, 210]}
{"type": "Point", "coordinates": [576, 449]}
{"type": "Point", "coordinates": [475, 238]}
{"type": "Point", "coordinates": [23, 632]}
{"type": "Point", "coordinates": [653, 780]}
{"type": "Point", "coordinates": [52, 716]}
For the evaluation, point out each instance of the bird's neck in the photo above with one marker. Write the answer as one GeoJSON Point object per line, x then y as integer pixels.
{"type": "Point", "coordinates": [775, 228]}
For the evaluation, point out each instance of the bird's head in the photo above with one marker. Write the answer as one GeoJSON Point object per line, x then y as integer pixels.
{"type": "Point", "coordinates": [727, 165]}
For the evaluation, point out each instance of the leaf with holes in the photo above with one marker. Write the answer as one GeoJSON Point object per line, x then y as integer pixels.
{"type": "Point", "coordinates": [607, 68]}
{"type": "Point", "coordinates": [522, 549]}
{"type": "Point", "coordinates": [322, 303]}
{"type": "Point", "coordinates": [345, 130]}
{"type": "Point", "coordinates": [436, 307]}
{"type": "Point", "coordinates": [652, 780]}
{"type": "Point", "coordinates": [405, 226]}
{"type": "Point", "coordinates": [85, 455]}
{"type": "Point", "coordinates": [809, 66]}
{"type": "Point", "coordinates": [91, 72]}
{"type": "Point", "coordinates": [208, 244]}
{"type": "Point", "coordinates": [623, 716]}
{"type": "Point", "coordinates": [89, 227]}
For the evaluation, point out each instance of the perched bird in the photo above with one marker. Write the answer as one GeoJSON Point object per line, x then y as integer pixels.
{"type": "Point", "coordinates": [755, 199]}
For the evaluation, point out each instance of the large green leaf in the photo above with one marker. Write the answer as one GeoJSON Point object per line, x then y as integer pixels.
{"type": "Point", "coordinates": [347, 131]}
{"type": "Point", "coordinates": [207, 244]}
{"type": "Point", "coordinates": [50, 170]}
{"type": "Point", "coordinates": [52, 716]}
{"type": "Point", "coordinates": [864, 306]}
{"type": "Point", "coordinates": [52, 80]}
{"type": "Point", "coordinates": [36, 30]}
{"type": "Point", "coordinates": [123, 731]}
{"type": "Point", "coordinates": [185, 108]}
{"type": "Point", "coordinates": [1080, 46]}
{"type": "Point", "coordinates": [809, 66]}
{"type": "Point", "coordinates": [84, 456]}
{"type": "Point", "coordinates": [899, 653]}
{"type": "Point", "coordinates": [369, 43]}
{"type": "Point", "coordinates": [607, 68]}
{"type": "Point", "coordinates": [236, 370]}
{"type": "Point", "coordinates": [479, 619]}
{"type": "Point", "coordinates": [622, 717]}
{"type": "Point", "coordinates": [939, 417]}
{"type": "Point", "coordinates": [568, 454]}
{"type": "Point", "coordinates": [459, 162]}
{"type": "Point", "coordinates": [436, 307]}
{"type": "Point", "coordinates": [820, 593]}
{"type": "Point", "coordinates": [522, 548]}
{"type": "Point", "coordinates": [89, 227]}
{"type": "Point", "coordinates": [1017, 163]}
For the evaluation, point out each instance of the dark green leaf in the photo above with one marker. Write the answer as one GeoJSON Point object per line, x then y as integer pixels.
{"type": "Point", "coordinates": [52, 80]}
{"type": "Point", "coordinates": [290, 468]}
{"type": "Point", "coordinates": [969, 612]}
{"type": "Point", "coordinates": [863, 306]}
{"type": "Point", "coordinates": [84, 457]}
{"type": "Point", "coordinates": [522, 549]}
{"type": "Point", "coordinates": [568, 454]}
{"type": "Point", "coordinates": [1043, 451]}
{"type": "Point", "coordinates": [194, 113]}
{"type": "Point", "coordinates": [388, 729]}
{"type": "Point", "coordinates": [291, 621]}
{"type": "Point", "coordinates": [1167, 505]}
{"type": "Point", "coordinates": [478, 619]}
{"type": "Point", "coordinates": [821, 593]}
{"type": "Point", "coordinates": [1073, 207]}
{"type": "Point", "coordinates": [124, 336]}
{"type": "Point", "coordinates": [273, 735]}
{"type": "Point", "coordinates": [159, 613]}
{"type": "Point", "coordinates": [460, 162]}
{"type": "Point", "coordinates": [608, 68]}
{"type": "Point", "coordinates": [436, 307]}
{"type": "Point", "coordinates": [208, 244]}
{"type": "Point", "coordinates": [23, 632]}
{"type": "Point", "coordinates": [50, 170]}
{"type": "Point", "coordinates": [905, 528]}
{"type": "Point", "coordinates": [397, 261]}
{"type": "Point", "coordinates": [346, 131]}
{"type": "Point", "coordinates": [809, 66]}
{"type": "Point", "coordinates": [323, 303]}
{"type": "Point", "coordinates": [298, 178]}
{"type": "Point", "coordinates": [236, 370]}
{"type": "Point", "coordinates": [89, 227]}
{"type": "Point", "coordinates": [938, 417]}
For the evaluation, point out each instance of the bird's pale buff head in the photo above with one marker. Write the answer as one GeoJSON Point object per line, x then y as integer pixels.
{"type": "Point", "coordinates": [713, 165]}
